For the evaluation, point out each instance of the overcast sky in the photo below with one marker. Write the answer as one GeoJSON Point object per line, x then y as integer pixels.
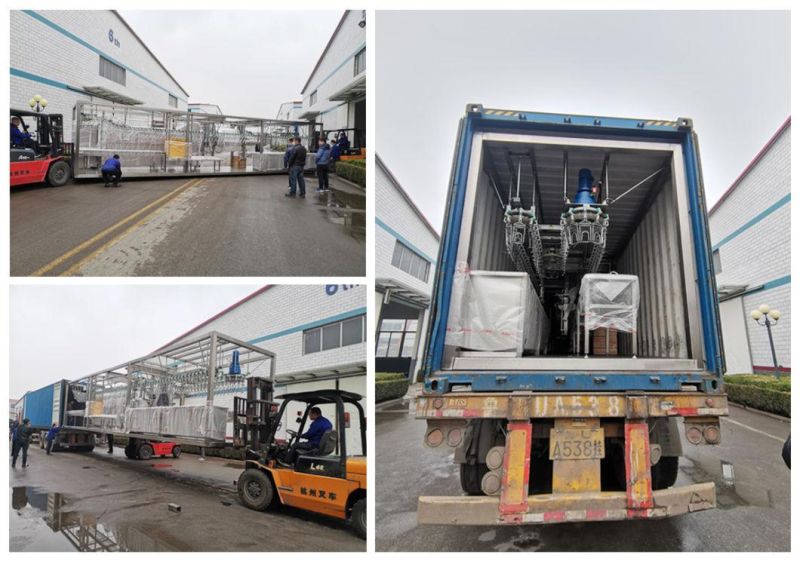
{"type": "Point", "coordinates": [728, 71]}
{"type": "Point", "coordinates": [68, 331]}
{"type": "Point", "coordinates": [246, 62]}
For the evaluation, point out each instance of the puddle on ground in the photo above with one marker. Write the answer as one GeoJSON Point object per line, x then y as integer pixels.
{"type": "Point", "coordinates": [42, 522]}
{"type": "Point", "coordinates": [731, 493]}
{"type": "Point", "coordinates": [345, 208]}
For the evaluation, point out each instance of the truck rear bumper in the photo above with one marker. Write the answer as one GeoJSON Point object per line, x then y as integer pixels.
{"type": "Point", "coordinates": [563, 508]}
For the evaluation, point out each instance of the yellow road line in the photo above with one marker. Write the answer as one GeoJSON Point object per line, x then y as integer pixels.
{"type": "Point", "coordinates": [94, 254]}
{"type": "Point", "coordinates": [59, 260]}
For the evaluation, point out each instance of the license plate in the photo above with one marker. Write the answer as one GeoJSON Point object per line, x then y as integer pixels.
{"type": "Point", "coordinates": [577, 444]}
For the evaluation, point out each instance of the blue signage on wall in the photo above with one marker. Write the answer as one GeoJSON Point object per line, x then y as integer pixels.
{"type": "Point", "coordinates": [111, 39]}
{"type": "Point", "coordinates": [331, 289]}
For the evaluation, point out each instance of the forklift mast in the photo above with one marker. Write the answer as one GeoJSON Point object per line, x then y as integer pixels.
{"type": "Point", "coordinates": [253, 416]}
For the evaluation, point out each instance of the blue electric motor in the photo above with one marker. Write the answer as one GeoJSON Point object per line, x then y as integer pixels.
{"type": "Point", "coordinates": [585, 182]}
{"type": "Point", "coordinates": [235, 368]}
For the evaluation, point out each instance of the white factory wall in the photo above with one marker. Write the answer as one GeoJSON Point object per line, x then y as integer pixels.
{"type": "Point", "coordinates": [290, 111]}
{"type": "Point", "coordinates": [396, 219]}
{"type": "Point", "coordinates": [335, 71]}
{"type": "Point", "coordinates": [751, 231]}
{"type": "Point", "coordinates": [275, 320]}
{"type": "Point", "coordinates": [54, 53]}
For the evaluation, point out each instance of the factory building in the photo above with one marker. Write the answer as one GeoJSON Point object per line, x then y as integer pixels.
{"type": "Point", "coordinates": [318, 334]}
{"type": "Point", "coordinates": [335, 93]}
{"type": "Point", "coordinates": [204, 108]}
{"type": "Point", "coordinates": [751, 244]}
{"type": "Point", "coordinates": [406, 247]}
{"type": "Point", "coordinates": [290, 111]}
{"type": "Point", "coordinates": [66, 56]}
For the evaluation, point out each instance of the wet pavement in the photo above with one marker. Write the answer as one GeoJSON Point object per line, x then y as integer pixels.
{"type": "Point", "coordinates": [753, 497]}
{"type": "Point", "coordinates": [217, 226]}
{"type": "Point", "coordinates": [96, 502]}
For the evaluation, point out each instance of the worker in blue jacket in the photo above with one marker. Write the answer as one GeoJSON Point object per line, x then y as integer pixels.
{"type": "Point", "coordinates": [323, 160]}
{"type": "Point", "coordinates": [21, 138]}
{"type": "Point", "coordinates": [52, 433]}
{"type": "Point", "coordinates": [319, 426]}
{"type": "Point", "coordinates": [112, 171]}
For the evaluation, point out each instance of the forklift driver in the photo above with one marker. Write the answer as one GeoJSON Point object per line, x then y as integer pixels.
{"type": "Point", "coordinates": [21, 138]}
{"type": "Point", "coordinates": [319, 424]}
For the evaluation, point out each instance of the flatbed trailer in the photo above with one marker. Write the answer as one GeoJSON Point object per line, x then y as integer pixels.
{"type": "Point", "coordinates": [157, 385]}
{"type": "Point", "coordinates": [572, 427]}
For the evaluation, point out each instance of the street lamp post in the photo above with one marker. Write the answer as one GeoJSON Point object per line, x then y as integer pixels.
{"type": "Point", "coordinates": [762, 316]}
{"type": "Point", "coordinates": [37, 103]}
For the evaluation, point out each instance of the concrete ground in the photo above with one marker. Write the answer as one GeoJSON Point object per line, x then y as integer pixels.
{"type": "Point", "coordinates": [753, 512]}
{"type": "Point", "coordinates": [97, 502]}
{"type": "Point", "coordinates": [217, 226]}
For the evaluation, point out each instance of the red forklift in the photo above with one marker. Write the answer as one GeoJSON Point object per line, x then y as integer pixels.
{"type": "Point", "coordinates": [44, 157]}
{"type": "Point", "coordinates": [145, 449]}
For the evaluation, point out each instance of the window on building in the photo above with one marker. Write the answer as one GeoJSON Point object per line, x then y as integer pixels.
{"type": "Point", "coordinates": [408, 261]}
{"type": "Point", "coordinates": [112, 71]}
{"type": "Point", "coordinates": [313, 98]}
{"type": "Point", "coordinates": [397, 338]}
{"type": "Point", "coordinates": [173, 101]}
{"type": "Point", "coordinates": [717, 262]}
{"type": "Point", "coordinates": [360, 62]}
{"type": "Point", "coordinates": [335, 335]}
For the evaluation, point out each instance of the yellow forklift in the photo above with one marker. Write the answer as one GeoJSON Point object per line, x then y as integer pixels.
{"type": "Point", "coordinates": [325, 480]}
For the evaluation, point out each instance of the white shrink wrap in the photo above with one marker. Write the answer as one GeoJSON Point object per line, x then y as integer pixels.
{"type": "Point", "coordinates": [610, 301]}
{"type": "Point", "coordinates": [196, 421]}
{"type": "Point", "coordinates": [143, 420]}
{"type": "Point", "coordinates": [496, 311]}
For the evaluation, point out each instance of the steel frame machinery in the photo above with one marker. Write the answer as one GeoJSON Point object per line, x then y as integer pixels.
{"type": "Point", "coordinates": [159, 142]}
{"type": "Point", "coordinates": [106, 402]}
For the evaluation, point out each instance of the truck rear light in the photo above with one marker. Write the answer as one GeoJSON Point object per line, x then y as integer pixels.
{"type": "Point", "coordinates": [434, 437]}
{"type": "Point", "coordinates": [694, 434]}
{"type": "Point", "coordinates": [455, 436]}
{"type": "Point", "coordinates": [711, 434]}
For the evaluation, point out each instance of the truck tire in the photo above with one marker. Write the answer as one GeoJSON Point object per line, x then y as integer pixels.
{"type": "Point", "coordinates": [256, 490]}
{"type": "Point", "coordinates": [176, 451]}
{"type": "Point", "coordinates": [58, 174]}
{"type": "Point", "coordinates": [471, 476]}
{"type": "Point", "coordinates": [665, 473]}
{"type": "Point", "coordinates": [358, 518]}
{"type": "Point", "coordinates": [145, 451]}
{"type": "Point", "coordinates": [129, 451]}
{"type": "Point", "coordinates": [786, 453]}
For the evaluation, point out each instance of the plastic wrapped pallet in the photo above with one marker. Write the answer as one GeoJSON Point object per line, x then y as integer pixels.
{"type": "Point", "coordinates": [496, 311]}
{"type": "Point", "coordinates": [610, 301]}
{"type": "Point", "coordinates": [197, 421]}
{"type": "Point", "coordinates": [270, 161]}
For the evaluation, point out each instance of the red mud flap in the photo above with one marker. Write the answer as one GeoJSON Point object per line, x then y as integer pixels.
{"type": "Point", "coordinates": [562, 508]}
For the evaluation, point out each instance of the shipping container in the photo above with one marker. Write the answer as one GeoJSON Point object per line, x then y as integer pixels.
{"type": "Point", "coordinates": [607, 218]}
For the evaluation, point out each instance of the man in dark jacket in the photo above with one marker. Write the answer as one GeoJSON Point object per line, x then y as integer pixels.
{"type": "Point", "coordinates": [323, 159]}
{"type": "Point", "coordinates": [289, 148]}
{"type": "Point", "coordinates": [297, 163]}
{"type": "Point", "coordinates": [112, 171]}
{"type": "Point", "coordinates": [52, 433]}
{"type": "Point", "coordinates": [21, 442]}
